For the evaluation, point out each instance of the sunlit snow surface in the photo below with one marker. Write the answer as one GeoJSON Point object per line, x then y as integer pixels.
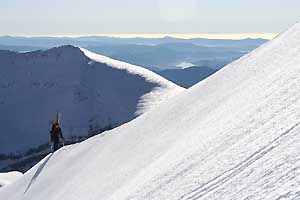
{"type": "Point", "coordinates": [235, 135]}
{"type": "Point", "coordinates": [9, 177]}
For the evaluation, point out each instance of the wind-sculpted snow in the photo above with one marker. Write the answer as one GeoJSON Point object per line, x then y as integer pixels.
{"type": "Point", "coordinates": [164, 90]}
{"type": "Point", "coordinates": [92, 95]}
{"type": "Point", "coordinates": [234, 135]}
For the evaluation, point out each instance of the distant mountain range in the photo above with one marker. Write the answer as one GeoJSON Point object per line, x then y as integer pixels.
{"type": "Point", "coordinates": [187, 77]}
{"type": "Point", "coordinates": [100, 40]}
{"type": "Point", "coordinates": [151, 53]}
{"type": "Point", "coordinates": [165, 56]}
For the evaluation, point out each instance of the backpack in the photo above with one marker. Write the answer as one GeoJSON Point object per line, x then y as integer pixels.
{"type": "Point", "coordinates": [55, 132]}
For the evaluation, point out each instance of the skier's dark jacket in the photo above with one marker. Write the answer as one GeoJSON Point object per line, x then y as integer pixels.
{"type": "Point", "coordinates": [56, 133]}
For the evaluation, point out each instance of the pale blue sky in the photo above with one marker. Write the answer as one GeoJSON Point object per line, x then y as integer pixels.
{"type": "Point", "coordinates": [92, 17]}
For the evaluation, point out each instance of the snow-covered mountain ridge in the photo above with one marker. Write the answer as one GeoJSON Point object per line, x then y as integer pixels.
{"type": "Point", "coordinates": [93, 92]}
{"type": "Point", "coordinates": [234, 135]}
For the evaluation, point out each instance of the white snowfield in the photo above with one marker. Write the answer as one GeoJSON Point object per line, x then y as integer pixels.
{"type": "Point", "coordinates": [235, 135]}
{"type": "Point", "coordinates": [92, 92]}
{"type": "Point", "coordinates": [8, 178]}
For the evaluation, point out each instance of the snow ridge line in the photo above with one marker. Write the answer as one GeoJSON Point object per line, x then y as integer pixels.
{"type": "Point", "coordinates": [219, 180]}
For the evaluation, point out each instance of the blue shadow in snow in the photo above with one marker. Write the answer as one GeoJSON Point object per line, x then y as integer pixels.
{"type": "Point", "coordinates": [37, 173]}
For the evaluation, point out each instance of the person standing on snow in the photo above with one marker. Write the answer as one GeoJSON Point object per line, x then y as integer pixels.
{"type": "Point", "coordinates": [55, 135]}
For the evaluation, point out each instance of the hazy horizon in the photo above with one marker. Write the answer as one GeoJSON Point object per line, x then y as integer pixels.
{"type": "Point", "coordinates": [180, 36]}
{"type": "Point", "coordinates": [99, 17]}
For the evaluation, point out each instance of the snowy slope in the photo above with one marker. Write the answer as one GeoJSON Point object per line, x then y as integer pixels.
{"type": "Point", "coordinates": [93, 92]}
{"type": "Point", "coordinates": [233, 136]}
{"type": "Point", "coordinates": [9, 178]}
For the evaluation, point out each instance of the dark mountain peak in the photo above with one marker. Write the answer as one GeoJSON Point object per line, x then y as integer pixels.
{"type": "Point", "coordinates": [69, 52]}
{"type": "Point", "coordinates": [65, 48]}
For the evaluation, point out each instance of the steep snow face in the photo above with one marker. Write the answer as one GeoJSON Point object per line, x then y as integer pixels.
{"type": "Point", "coordinates": [92, 94]}
{"type": "Point", "coordinates": [233, 136]}
{"type": "Point", "coordinates": [8, 178]}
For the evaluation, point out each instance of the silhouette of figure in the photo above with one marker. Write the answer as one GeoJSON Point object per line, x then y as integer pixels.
{"type": "Point", "coordinates": [55, 135]}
